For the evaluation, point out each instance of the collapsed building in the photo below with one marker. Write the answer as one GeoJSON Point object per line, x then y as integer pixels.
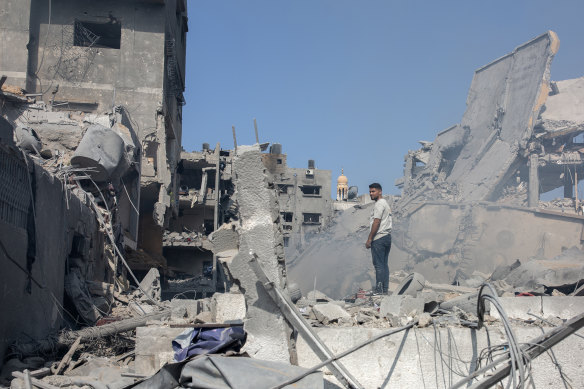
{"type": "Point", "coordinates": [82, 56]}
{"type": "Point", "coordinates": [92, 95]}
{"type": "Point", "coordinates": [84, 188]}
{"type": "Point", "coordinates": [304, 196]}
{"type": "Point", "coordinates": [204, 203]}
{"type": "Point", "coordinates": [471, 198]}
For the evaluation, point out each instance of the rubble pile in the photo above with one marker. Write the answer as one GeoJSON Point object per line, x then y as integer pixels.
{"type": "Point", "coordinates": [490, 277]}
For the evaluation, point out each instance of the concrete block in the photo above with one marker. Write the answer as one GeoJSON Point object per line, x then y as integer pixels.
{"type": "Point", "coordinates": [430, 296]}
{"type": "Point", "coordinates": [564, 307]}
{"type": "Point", "coordinates": [328, 313]}
{"type": "Point", "coordinates": [316, 295]}
{"type": "Point", "coordinates": [467, 303]}
{"type": "Point", "coordinates": [154, 348]}
{"type": "Point", "coordinates": [151, 285]}
{"type": "Point", "coordinates": [227, 307]}
{"type": "Point", "coordinates": [204, 317]}
{"type": "Point", "coordinates": [401, 305]}
{"type": "Point", "coordinates": [517, 307]}
{"type": "Point", "coordinates": [185, 308]}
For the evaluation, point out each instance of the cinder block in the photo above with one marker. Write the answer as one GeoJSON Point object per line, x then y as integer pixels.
{"type": "Point", "coordinates": [564, 307]}
{"type": "Point", "coordinates": [154, 348]}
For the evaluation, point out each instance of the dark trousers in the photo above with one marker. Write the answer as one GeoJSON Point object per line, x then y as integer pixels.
{"type": "Point", "coordinates": [380, 253]}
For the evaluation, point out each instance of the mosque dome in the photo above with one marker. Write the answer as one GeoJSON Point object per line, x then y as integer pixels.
{"type": "Point", "coordinates": [342, 179]}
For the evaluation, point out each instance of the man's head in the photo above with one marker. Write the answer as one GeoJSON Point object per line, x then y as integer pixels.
{"type": "Point", "coordinates": [375, 191]}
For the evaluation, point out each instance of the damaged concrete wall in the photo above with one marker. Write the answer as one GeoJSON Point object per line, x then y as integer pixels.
{"type": "Point", "coordinates": [470, 199]}
{"type": "Point", "coordinates": [259, 237]}
{"type": "Point", "coordinates": [480, 237]}
{"type": "Point", "coordinates": [14, 38]}
{"type": "Point", "coordinates": [91, 56]}
{"type": "Point", "coordinates": [60, 221]}
{"type": "Point", "coordinates": [304, 196]}
{"type": "Point", "coordinates": [411, 364]}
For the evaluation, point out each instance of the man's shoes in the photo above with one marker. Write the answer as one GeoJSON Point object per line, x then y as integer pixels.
{"type": "Point", "coordinates": [379, 288]}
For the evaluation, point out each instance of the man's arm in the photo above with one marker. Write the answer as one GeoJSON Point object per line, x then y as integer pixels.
{"type": "Point", "coordinates": [374, 229]}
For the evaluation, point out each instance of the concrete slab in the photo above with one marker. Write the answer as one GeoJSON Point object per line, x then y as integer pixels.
{"type": "Point", "coordinates": [503, 103]}
{"type": "Point", "coordinates": [401, 305]}
{"type": "Point", "coordinates": [518, 307]}
{"type": "Point", "coordinates": [564, 307]}
{"type": "Point", "coordinates": [388, 363]}
{"type": "Point", "coordinates": [328, 313]}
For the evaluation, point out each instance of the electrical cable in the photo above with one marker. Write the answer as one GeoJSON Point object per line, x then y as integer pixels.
{"type": "Point", "coordinates": [420, 359]}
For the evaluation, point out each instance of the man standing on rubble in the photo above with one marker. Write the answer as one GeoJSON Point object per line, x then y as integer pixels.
{"type": "Point", "coordinates": [379, 240]}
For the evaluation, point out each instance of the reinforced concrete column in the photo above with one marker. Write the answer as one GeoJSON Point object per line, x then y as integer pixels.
{"type": "Point", "coordinates": [533, 192]}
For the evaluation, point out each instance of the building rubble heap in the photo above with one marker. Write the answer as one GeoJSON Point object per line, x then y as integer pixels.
{"type": "Point", "coordinates": [109, 230]}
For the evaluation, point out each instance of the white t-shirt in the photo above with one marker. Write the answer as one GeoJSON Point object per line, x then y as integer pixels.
{"type": "Point", "coordinates": [381, 211]}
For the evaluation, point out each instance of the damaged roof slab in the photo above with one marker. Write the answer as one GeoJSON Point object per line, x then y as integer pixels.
{"type": "Point", "coordinates": [503, 104]}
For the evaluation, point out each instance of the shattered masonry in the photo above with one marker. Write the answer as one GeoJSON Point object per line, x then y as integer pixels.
{"type": "Point", "coordinates": [93, 93]}
{"type": "Point", "coordinates": [111, 236]}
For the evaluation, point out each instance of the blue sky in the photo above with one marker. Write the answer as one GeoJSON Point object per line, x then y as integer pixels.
{"type": "Point", "coordinates": [353, 84]}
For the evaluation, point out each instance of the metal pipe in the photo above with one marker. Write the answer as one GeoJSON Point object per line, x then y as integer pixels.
{"type": "Point", "coordinates": [216, 209]}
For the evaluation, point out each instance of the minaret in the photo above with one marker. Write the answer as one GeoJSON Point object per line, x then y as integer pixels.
{"type": "Point", "coordinates": [342, 187]}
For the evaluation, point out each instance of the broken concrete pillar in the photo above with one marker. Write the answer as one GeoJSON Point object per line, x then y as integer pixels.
{"type": "Point", "coordinates": [267, 330]}
{"type": "Point", "coordinates": [533, 193]}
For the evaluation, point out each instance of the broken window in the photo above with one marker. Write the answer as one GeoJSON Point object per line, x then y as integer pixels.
{"type": "Point", "coordinates": [287, 227]}
{"type": "Point", "coordinates": [92, 34]}
{"type": "Point", "coordinates": [286, 241]}
{"type": "Point", "coordinates": [279, 161]}
{"type": "Point", "coordinates": [209, 226]}
{"type": "Point", "coordinates": [287, 217]}
{"type": "Point", "coordinates": [312, 218]}
{"type": "Point", "coordinates": [310, 190]}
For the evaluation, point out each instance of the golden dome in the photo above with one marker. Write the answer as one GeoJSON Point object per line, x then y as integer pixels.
{"type": "Point", "coordinates": [342, 178]}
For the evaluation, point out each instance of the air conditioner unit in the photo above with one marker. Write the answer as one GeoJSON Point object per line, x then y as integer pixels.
{"type": "Point", "coordinates": [310, 172]}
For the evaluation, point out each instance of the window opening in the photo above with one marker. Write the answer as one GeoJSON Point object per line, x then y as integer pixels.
{"type": "Point", "coordinates": [91, 34]}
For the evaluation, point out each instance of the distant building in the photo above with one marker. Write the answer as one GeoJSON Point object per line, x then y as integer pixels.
{"type": "Point", "coordinates": [304, 196]}
{"type": "Point", "coordinates": [204, 203]}
{"type": "Point", "coordinates": [342, 187]}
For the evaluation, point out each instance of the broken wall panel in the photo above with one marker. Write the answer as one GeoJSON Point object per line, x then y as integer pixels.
{"type": "Point", "coordinates": [65, 227]}
{"type": "Point", "coordinates": [503, 104]}
{"type": "Point", "coordinates": [481, 237]}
